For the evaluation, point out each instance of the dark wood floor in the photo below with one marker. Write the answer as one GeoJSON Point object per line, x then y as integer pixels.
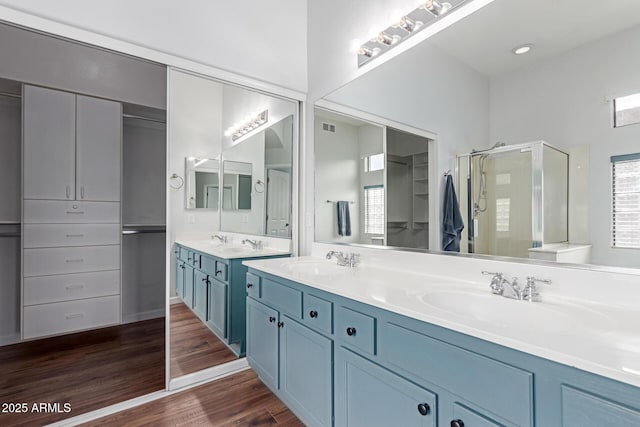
{"type": "Point", "coordinates": [89, 370]}
{"type": "Point", "coordinates": [238, 400]}
{"type": "Point", "coordinates": [193, 346]}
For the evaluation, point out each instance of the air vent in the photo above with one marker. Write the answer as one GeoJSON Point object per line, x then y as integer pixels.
{"type": "Point", "coordinates": [328, 127]}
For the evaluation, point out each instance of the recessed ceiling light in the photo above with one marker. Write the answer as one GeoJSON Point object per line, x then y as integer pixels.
{"type": "Point", "coordinates": [521, 50]}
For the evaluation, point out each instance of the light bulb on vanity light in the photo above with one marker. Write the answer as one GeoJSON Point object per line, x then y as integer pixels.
{"type": "Point", "coordinates": [437, 8]}
{"type": "Point", "coordinates": [386, 39]}
{"type": "Point", "coordinates": [522, 49]}
{"type": "Point", "coordinates": [368, 52]}
{"type": "Point", "coordinates": [409, 24]}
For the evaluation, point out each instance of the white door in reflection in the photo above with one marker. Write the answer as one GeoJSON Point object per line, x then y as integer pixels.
{"type": "Point", "coordinates": [278, 212]}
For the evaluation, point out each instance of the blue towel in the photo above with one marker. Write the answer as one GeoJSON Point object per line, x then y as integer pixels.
{"type": "Point", "coordinates": [344, 219]}
{"type": "Point", "coordinates": [452, 224]}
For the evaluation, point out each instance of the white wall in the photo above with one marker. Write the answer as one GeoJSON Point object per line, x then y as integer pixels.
{"type": "Point", "coordinates": [563, 101]}
{"type": "Point", "coordinates": [263, 40]}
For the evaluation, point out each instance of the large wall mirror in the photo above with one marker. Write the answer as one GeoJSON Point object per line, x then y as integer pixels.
{"type": "Point", "coordinates": [541, 142]}
{"type": "Point", "coordinates": [235, 147]}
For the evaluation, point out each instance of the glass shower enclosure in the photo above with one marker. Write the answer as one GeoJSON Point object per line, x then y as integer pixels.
{"type": "Point", "coordinates": [514, 198]}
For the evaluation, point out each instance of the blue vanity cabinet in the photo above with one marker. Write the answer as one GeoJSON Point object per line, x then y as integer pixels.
{"type": "Point", "coordinates": [180, 278]}
{"type": "Point", "coordinates": [217, 307]}
{"type": "Point", "coordinates": [188, 284]}
{"type": "Point", "coordinates": [295, 361]}
{"type": "Point", "coordinates": [200, 286]}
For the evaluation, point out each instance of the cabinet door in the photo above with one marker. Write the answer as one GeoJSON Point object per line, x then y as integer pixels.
{"type": "Point", "coordinates": [217, 307]}
{"type": "Point", "coordinates": [200, 285]}
{"type": "Point", "coordinates": [180, 278]}
{"type": "Point", "coordinates": [463, 416]}
{"type": "Point", "coordinates": [188, 285]}
{"type": "Point", "coordinates": [262, 341]}
{"type": "Point", "coordinates": [49, 144]}
{"type": "Point", "coordinates": [368, 395]}
{"type": "Point", "coordinates": [306, 372]}
{"type": "Point", "coordinates": [98, 158]}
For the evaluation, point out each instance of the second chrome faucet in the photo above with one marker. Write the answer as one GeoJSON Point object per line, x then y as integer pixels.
{"type": "Point", "coordinates": [346, 260]}
{"type": "Point", "coordinates": [511, 289]}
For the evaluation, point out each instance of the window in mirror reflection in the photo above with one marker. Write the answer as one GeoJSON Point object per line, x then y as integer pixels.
{"type": "Point", "coordinates": [626, 201]}
{"type": "Point", "coordinates": [626, 110]}
{"type": "Point", "coordinates": [374, 209]}
{"type": "Point", "coordinates": [373, 163]}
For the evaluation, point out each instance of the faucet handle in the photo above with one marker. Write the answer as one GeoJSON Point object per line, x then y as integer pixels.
{"type": "Point", "coordinates": [531, 281]}
{"type": "Point", "coordinates": [354, 259]}
{"type": "Point", "coordinates": [489, 273]}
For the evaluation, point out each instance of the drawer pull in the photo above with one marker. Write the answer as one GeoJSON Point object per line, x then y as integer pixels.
{"type": "Point", "coordinates": [272, 319]}
{"type": "Point", "coordinates": [218, 272]}
{"type": "Point", "coordinates": [249, 285]}
{"type": "Point", "coordinates": [75, 235]}
{"type": "Point", "coordinates": [75, 212]}
{"type": "Point", "coordinates": [351, 331]}
{"type": "Point", "coordinates": [72, 287]}
{"type": "Point", "coordinates": [457, 423]}
{"type": "Point", "coordinates": [424, 408]}
{"type": "Point", "coordinates": [189, 259]}
{"type": "Point", "coordinates": [74, 260]}
{"type": "Point", "coordinates": [280, 324]}
{"type": "Point", "coordinates": [313, 314]}
{"type": "Point", "coordinates": [75, 316]}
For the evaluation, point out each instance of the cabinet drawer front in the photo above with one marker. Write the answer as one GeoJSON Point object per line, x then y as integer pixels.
{"type": "Point", "coordinates": [221, 271]}
{"type": "Point", "coordinates": [63, 317]}
{"type": "Point", "coordinates": [56, 235]}
{"type": "Point", "coordinates": [43, 262]}
{"type": "Point", "coordinates": [196, 259]}
{"type": "Point", "coordinates": [502, 389]}
{"type": "Point", "coordinates": [183, 253]}
{"type": "Point", "coordinates": [471, 418]}
{"type": "Point", "coordinates": [208, 265]}
{"type": "Point", "coordinates": [368, 395]}
{"type": "Point", "coordinates": [253, 285]}
{"type": "Point", "coordinates": [61, 212]}
{"type": "Point", "coordinates": [287, 299]}
{"type": "Point", "coordinates": [581, 409]}
{"type": "Point", "coordinates": [356, 329]}
{"type": "Point", "coordinates": [68, 287]}
{"type": "Point", "coordinates": [318, 313]}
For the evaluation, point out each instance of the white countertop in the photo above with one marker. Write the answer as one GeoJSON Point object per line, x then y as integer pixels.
{"type": "Point", "coordinates": [230, 250]}
{"type": "Point", "coordinates": [559, 247]}
{"type": "Point", "coordinates": [600, 338]}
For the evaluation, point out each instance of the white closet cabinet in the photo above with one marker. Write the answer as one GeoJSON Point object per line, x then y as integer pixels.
{"type": "Point", "coordinates": [72, 146]}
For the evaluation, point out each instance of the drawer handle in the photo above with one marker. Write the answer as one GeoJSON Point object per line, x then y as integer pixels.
{"type": "Point", "coordinates": [75, 212]}
{"type": "Point", "coordinates": [189, 259]}
{"type": "Point", "coordinates": [182, 267]}
{"type": "Point", "coordinates": [249, 285]}
{"type": "Point", "coordinates": [424, 408]}
{"type": "Point", "coordinates": [272, 319]}
{"type": "Point", "coordinates": [313, 314]}
{"type": "Point", "coordinates": [457, 423]}
{"type": "Point", "coordinates": [75, 235]}
{"type": "Point", "coordinates": [280, 324]}
{"type": "Point", "coordinates": [74, 260]}
{"type": "Point", "coordinates": [71, 287]}
{"type": "Point", "coordinates": [218, 272]}
{"type": "Point", "coordinates": [351, 331]}
{"type": "Point", "coordinates": [75, 316]}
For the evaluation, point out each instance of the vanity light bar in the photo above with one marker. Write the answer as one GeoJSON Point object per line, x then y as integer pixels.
{"type": "Point", "coordinates": [238, 131]}
{"type": "Point", "coordinates": [418, 19]}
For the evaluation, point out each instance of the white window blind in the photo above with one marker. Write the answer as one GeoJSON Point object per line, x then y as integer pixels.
{"type": "Point", "coordinates": [626, 201]}
{"type": "Point", "coordinates": [374, 162]}
{"type": "Point", "coordinates": [374, 209]}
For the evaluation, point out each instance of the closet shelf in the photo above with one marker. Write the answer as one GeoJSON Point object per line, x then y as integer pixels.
{"type": "Point", "coordinates": [420, 194]}
{"type": "Point", "coordinates": [420, 179]}
{"type": "Point", "coordinates": [143, 229]}
{"type": "Point", "coordinates": [420, 165]}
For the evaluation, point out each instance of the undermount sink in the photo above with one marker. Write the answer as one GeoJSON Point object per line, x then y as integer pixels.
{"type": "Point", "coordinates": [314, 268]}
{"type": "Point", "coordinates": [522, 315]}
{"type": "Point", "coordinates": [231, 249]}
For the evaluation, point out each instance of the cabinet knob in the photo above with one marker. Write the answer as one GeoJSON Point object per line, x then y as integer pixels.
{"type": "Point", "coordinates": [457, 423]}
{"type": "Point", "coordinates": [424, 408]}
{"type": "Point", "coordinates": [351, 331]}
{"type": "Point", "coordinates": [189, 259]}
{"type": "Point", "coordinates": [249, 285]}
{"type": "Point", "coordinates": [313, 314]}
{"type": "Point", "coordinates": [204, 279]}
{"type": "Point", "coordinates": [272, 319]}
{"type": "Point", "coordinates": [280, 324]}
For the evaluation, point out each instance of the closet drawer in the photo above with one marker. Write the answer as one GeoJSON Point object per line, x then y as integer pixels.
{"type": "Point", "coordinates": [63, 317]}
{"type": "Point", "coordinates": [55, 235]}
{"type": "Point", "coordinates": [68, 287]}
{"type": "Point", "coordinates": [43, 262]}
{"type": "Point", "coordinates": [73, 212]}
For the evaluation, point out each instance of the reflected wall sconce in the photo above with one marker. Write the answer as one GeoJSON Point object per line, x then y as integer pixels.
{"type": "Point", "coordinates": [241, 129]}
{"type": "Point", "coordinates": [429, 12]}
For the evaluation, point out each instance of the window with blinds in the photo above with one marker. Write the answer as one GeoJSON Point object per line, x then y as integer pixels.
{"type": "Point", "coordinates": [374, 209]}
{"type": "Point", "coordinates": [626, 201]}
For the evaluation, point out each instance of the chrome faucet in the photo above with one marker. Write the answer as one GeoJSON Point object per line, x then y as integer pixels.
{"type": "Point", "coordinates": [220, 237]}
{"type": "Point", "coordinates": [511, 289]}
{"type": "Point", "coordinates": [255, 244]}
{"type": "Point", "coordinates": [351, 260]}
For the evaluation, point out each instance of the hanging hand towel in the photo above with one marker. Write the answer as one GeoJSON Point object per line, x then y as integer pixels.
{"type": "Point", "coordinates": [344, 219]}
{"type": "Point", "coordinates": [452, 224]}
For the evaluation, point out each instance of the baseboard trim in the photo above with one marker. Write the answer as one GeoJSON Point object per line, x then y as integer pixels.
{"type": "Point", "coordinates": [9, 339]}
{"type": "Point", "coordinates": [175, 300]}
{"type": "Point", "coordinates": [177, 385]}
{"type": "Point", "coordinates": [145, 315]}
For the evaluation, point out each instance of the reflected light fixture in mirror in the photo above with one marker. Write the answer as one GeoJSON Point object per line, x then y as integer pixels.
{"type": "Point", "coordinates": [239, 130]}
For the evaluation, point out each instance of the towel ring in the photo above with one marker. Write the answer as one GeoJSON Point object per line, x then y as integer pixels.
{"type": "Point", "coordinates": [176, 176]}
{"type": "Point", "coordinates": [259, 186]}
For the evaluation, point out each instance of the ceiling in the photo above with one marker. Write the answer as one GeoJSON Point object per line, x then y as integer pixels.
{"type": "Point", "coordinates": [484, 40]}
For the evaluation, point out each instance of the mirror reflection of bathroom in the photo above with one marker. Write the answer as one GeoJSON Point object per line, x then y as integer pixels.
{"type": "Point", "coordinates": [202, 183]}
{"type": "Point", "coordinates": [373, 183]}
